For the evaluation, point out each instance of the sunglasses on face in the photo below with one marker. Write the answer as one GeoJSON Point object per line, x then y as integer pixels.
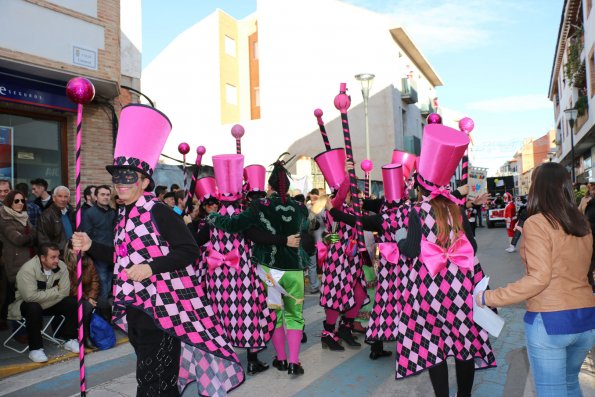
{"type": "Point", "coordinates": [18, 201]}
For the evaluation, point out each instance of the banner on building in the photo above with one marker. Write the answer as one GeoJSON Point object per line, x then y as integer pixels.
{"type": "Point", "coordinates": [477, 181]}
{"type": "Point", "coordinates": [6, 154]}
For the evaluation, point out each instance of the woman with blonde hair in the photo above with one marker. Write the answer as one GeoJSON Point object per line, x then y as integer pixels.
{"type": "Point", "coordinates": [556, 249]}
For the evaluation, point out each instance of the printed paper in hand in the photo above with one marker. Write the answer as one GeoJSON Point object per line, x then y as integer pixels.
{"type": "Point", "coordinates": [484, 316]}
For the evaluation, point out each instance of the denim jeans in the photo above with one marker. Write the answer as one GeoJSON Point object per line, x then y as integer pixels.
{"type": "Point", "coordinates": [556, 359]}
{"type": "Point", "coordinates": [313, 274]}
{"type": "Point", "coordinates": [106, 273]}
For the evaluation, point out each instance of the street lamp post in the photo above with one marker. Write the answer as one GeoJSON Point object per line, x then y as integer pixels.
{"type": "Point", "coordinates": [365, 80]}
{"type": "Point", "coordinates": [571, 115]}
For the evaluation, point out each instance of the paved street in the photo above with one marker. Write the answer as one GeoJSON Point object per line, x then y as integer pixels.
{"type": "Point", "coordinates": [350, 373]}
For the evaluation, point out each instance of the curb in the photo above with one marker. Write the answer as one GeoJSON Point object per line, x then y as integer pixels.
{"type": "Point", "coordinates": [15, 369]}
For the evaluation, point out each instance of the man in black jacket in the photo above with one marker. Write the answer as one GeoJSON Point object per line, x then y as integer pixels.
{"type": "Point", "coordinates": [98, 223]}
{"type": "Point", "coordinates": [56, 223]}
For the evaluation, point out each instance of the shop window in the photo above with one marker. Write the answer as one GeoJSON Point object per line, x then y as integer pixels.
{"type": "Point", "coordinates": [30, 148]}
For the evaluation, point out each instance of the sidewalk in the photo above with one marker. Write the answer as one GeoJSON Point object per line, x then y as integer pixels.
{"type": "Point", "coordinates": [111, 373]}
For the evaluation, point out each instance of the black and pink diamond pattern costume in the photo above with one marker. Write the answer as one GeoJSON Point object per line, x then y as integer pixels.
{"type": "Point", "coordinates": [383, 323]}
{"type": "Point", "coordinates": [436, 320]}
{"type": "Point", "coordinates": [176, 303]}
{"type": "Point", "coordinates": [238, 295]}
{"type": "Point", "coordinates": [341, 270]}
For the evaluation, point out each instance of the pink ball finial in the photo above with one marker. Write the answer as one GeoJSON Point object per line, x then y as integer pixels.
{"type": "Point", "coordinates": [367, 165]}
{"type": "Point", "coordinates": [201, 150]}
{"type": "Point", "coordinates": [183, 148]}
{"type": "Point", "coordinates": [466, 125]}
{"type": "Point", "coordinates": [434, 118]}
{"type": "Point", "coordinates": [318, 113]}
{"type": "Point", "coordinates": [237, 131]}
{"type": "Point", "coordinates": [80, 90]}
{"type": "Point", "coordinates": [342, 101]}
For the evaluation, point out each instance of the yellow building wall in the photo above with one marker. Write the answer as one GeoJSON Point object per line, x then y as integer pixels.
{"type": "Point", "coordinates": [229, 70]}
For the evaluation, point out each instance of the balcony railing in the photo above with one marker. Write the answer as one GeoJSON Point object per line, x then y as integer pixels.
{"type": "Point", "coordinates": [408, 91]}
{"type": "Point", "coordinates": [427, 108]}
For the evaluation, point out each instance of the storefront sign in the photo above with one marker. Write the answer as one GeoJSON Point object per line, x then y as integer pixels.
{"type": "Point", "coordinates": [34, 91]}
{"type": "Point", "coordinates": [6, 153]}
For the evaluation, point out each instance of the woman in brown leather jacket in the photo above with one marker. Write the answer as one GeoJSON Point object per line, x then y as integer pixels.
{"type": "Point", "coordinates": [556, 250]}
{"type": "Point", "coordinates": [17, 236]}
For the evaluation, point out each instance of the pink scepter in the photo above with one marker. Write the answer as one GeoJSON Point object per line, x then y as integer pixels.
{"type": "Point", "coordinates": [466, 125]}
{"type": "Point", "coordinates": [318, 114]}
{"type": "Point", "coordinates": [342, 103]}
{"type": "Point", "coordinates": [184, 149]}
{"type": "Point", "coordinates": [367, 167]}
{"type": "Point", "coordinates": [200, 151]}
{"type": "Point", "coordinates": [237, 131]}
{"type": "Point", "coordinates": [80, 91]}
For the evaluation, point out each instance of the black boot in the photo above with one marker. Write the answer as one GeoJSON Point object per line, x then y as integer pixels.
{"type": "Point", "coordinates": [377, 351]}
{"type": "Point", "coordinates": [345, 328]}
{"type": "Point", "coordinates": [295, 369]}
{"type": "Point", "coordinates": [281, 365]}
{"type": "Point", "coordinates": [329, 339]}
{"type": "Point", "coordinates": [255, 365]}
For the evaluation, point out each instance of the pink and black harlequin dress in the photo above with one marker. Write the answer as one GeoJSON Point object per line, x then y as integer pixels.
{"type": "Point", "coordinates": [341, 269]}
{"type": "Point", "coordinates": [383, 323]}
{"type": "Point", "coordinates": [436, 320]}
{"type": "Point", "coordinates": [175, 301]}
{"type": "Point", "coordinates": [237, 293]}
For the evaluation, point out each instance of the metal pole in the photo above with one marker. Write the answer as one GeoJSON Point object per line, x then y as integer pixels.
{"type": "Point", "coordinates": [367, 130]}
{"type": "Point", "coordinates": [571, 122]}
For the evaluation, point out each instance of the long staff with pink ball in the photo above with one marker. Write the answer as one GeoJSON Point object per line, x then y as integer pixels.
{"type": "Point", "coordinates": [80, 91]}
{"type": "Point", "coordinates": [184, 149]}
{"type": "Point", "coordinates": [342, 103]}
{"type": "Point", "coordinates": [367, 167]}
{"type": "Point", "coordinates": [200, 151]}
{"type": "Point", "coordinates": [318, 114]}
{"type": "Point", "coordinates": [466, 125]}
{"type": "Point", "coordinates": [237, 131]}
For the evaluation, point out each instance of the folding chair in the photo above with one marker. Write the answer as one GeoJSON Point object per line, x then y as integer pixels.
{"type": "Point", "coordinates": [44, 333]}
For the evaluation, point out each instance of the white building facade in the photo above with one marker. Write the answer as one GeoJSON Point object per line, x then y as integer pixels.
{"type": "Point", "coordinates": [271, 70]}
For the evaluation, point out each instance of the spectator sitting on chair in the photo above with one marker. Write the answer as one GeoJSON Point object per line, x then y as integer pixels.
{"type": "Point", "coordinates": [43, 287]}
{"type": "Point", "coordinates": [91, 287]}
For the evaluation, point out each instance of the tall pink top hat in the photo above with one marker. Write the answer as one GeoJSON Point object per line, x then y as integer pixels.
{"type": "Point", "coordinates": [142, 132]}
{"type": "Point", "coordinates": [332, 166]}
{"type": "Point", "coordinates": [229, 173]}
{"type": "Point", "coordinates": [255, 175]}
{"type": "Point", "coordinates": [405, 159]}
{"type": "Point", "coordinates": [442, 148]}
{"type": "Point", "coordinates": [206, 187]}
{"type": "Point", "coordinates": [394, 185]}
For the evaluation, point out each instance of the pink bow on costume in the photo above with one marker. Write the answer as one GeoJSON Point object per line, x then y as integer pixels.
{"type": "Point", "coordinates": [322, 252]}
{"type": "Point", "coordinates": [390, 251]}
{"type": "Point", "coordinates": [435, 257]}
{"type": "Point", "coordinates": [216, 259]}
